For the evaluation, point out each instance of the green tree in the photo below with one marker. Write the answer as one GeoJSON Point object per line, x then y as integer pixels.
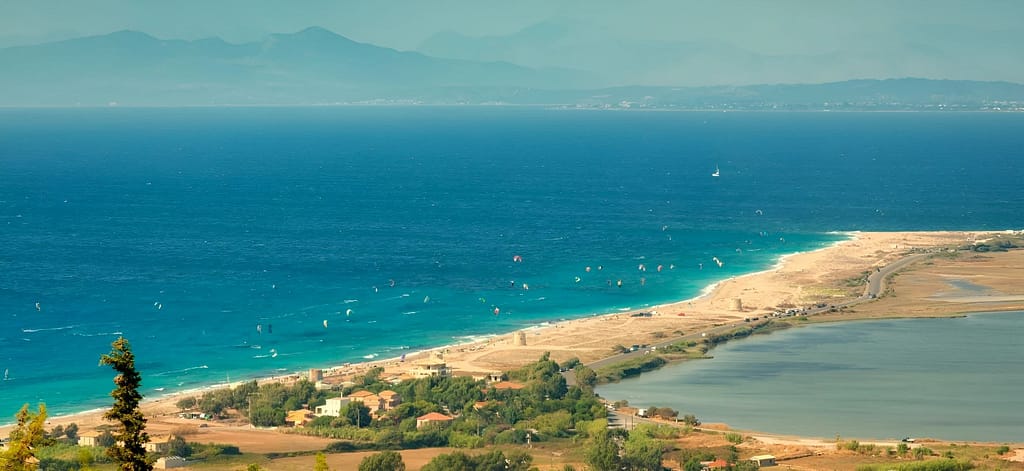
{"type": "Point", "coordinates": [105, 439]}
{"type": "Point", "coordinates": [28, 434]}
{"type": "Point", "coordinates": [177, 446]}
{"type": "Point", "coordinates": [603, 453]}
{"type": "Point", "coordinates": [130, 453]}
{"type": "Point", "coordinates": [357, 414]}
{"type": "Point", "coordinates": [586, 377]}
{"type": "Point", "coordinates": [457, 461]}
{"type": "Point", "coordinates": [71, 432]}
{"type": "Point", "coordinates": [570, 364]}
{"type": "Point", "coordinates": [383, 461]}
{"type": "Point", "coordinates": [642, 453]}
{"type": "Point", "coordinates": [186, 403]}
{"type": "Point", "coordinates": [321, 462]}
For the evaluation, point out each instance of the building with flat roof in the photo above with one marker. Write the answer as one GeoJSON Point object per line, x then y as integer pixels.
{"type": "Point", "coordinates": [332, 407]}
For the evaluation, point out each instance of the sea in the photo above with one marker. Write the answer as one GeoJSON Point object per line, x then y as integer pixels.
{"type": "Point", "coordinates": [229, 244]}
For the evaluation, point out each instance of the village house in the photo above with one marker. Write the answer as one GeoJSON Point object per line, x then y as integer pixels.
{"type": "Point", "coordinates": [88, 438]}
{"type": "Point", "coordinates": [332, 407]}
{"type": "Point", "coordinates": [298, 418]}
{"type": "Point", "coordinates": [389, 399]}
{"type": "Point", "coordinates": [158, 444]}
{"type": "Point", "coordinates": [384, 401]}
{"type": "Point", "coordinates": [432, 366]}
{"type": "Point", "coordinates": [433, 418]}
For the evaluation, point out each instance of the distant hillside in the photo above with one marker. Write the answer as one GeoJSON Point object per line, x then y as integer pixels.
{"type": "Point", "coordinates": [310, 66]}
{"type": "Point", "coordinates": [316, 66]}
{"type": "Point", "coordinates": [918, 51]}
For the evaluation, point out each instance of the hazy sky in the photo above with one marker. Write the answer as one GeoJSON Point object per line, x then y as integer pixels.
{"type": "Point", "coordinates": [781, 27]}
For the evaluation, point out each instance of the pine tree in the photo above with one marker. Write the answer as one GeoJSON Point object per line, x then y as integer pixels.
{"type": "Point", "coordinates": [27, 434]}
{"type": "Point", "coordinates": [130, 451]}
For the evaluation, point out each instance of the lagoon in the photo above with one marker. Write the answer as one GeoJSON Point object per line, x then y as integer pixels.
{"type": "Point", "coordinates": [948, 378]}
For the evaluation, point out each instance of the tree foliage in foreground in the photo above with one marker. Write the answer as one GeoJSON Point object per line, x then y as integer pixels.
{"type": "Point", "coordinates": [28, 434]}
{"type": "Point", "coordinates": [130, 452]}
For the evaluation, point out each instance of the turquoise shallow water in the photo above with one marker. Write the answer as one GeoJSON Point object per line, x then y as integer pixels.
{"type": "Point", "coordinates": [954, 379]}
{"type": "Point", "coordinates": [185, 229]}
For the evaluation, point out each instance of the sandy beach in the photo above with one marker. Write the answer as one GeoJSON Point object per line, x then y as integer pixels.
{"type": "Point", "coordinates": [825, 276]}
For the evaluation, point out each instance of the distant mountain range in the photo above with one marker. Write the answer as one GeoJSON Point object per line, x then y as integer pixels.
{"type": "Point", "coordinates": [311, 66]}
{"type": "Point", "coordinates": [918, 50]}
{"type": "Point", "coordinates": [317, 66]}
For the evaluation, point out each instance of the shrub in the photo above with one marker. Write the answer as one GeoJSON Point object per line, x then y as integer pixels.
{"type": "Point", "coordinates": [734, 438]}
{"type": "Point", "coordinates": [1002, 450]}
{"type": "Point", "coordinates": [465, 440]}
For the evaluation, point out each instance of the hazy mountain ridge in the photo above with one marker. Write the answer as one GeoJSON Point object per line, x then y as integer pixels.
{"type": "Point", "coordinates": [929, 51]}
{"type": "Point", "coordinates": [317, 66]}
{"type": "Point", "coordinates": [311, 66]}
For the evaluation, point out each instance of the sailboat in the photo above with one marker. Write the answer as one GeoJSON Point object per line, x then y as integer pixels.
{"type": "Point", "coordinates": [7, 374]}
{"type": "Point", "coordinates": [717, 173]}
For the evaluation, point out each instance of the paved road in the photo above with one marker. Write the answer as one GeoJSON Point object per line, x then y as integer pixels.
{"type": "Point", "coordinates": [877, 279]}
{"type": "Point", "coordinates": [875, 285]}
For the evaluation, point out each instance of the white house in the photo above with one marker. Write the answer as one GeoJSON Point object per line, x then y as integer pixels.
{"type": "Point", "coordinates": [332, 407]}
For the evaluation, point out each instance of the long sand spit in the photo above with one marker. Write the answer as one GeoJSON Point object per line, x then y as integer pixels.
{"type": "Point", "coordinates": [828, 275]}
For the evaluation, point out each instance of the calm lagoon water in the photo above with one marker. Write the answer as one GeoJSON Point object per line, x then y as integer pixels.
{"type": "Point", "coordinates": [956, 379]}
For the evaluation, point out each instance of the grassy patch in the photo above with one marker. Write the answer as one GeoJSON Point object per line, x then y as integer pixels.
{"type": "Point", "coordinates": [629, 368]}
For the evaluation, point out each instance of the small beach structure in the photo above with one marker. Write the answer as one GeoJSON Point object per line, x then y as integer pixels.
{"type": "Point", "coordinates": [433, 418]}
{"type": "Point", "coordinates": [763, 460]}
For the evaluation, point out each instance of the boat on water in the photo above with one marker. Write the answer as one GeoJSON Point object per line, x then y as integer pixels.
{"type": "Point", "coordinates": [717, 172]}
{"type": "Point", "coordinates": [7, 374]}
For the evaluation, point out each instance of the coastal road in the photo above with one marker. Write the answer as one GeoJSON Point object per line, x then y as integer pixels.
{"type": "Point", "coordinates": [875, 284]}
{"type": "Point", "coordinates": [877, 279]}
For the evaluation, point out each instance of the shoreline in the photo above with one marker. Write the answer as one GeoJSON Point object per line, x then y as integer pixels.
{"type": "Point", "coordinates": [791, 278]}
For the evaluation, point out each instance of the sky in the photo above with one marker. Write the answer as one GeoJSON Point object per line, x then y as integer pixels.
{"type": "Point", "coordinates": [955, 28]}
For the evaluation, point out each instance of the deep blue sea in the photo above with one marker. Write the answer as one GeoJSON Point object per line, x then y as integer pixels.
{"type": "Point", "coordinates": [244, 242]}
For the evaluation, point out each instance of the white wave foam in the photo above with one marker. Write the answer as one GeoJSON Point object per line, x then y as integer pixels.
{"type": "Point", "coordinates": [100, 334]}
{"type": "Point", "coordinates": [183, 370]}
{"type": "Point", "coordinates": [48, 329]}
